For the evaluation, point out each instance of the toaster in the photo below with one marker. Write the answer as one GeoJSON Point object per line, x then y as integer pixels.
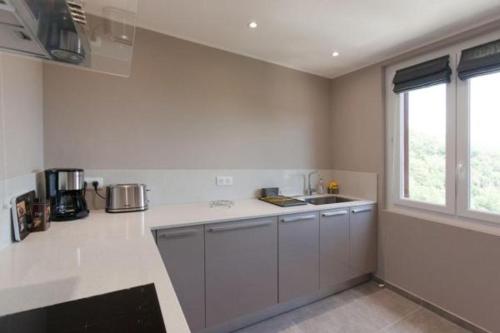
{"type": "Point", "coordinates": [122, 198]}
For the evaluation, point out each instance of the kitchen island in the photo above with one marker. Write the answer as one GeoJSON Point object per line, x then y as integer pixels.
{"type": "Point", "coordinates": [110, 252]}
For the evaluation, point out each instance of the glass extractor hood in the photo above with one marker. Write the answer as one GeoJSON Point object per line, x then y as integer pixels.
{"type": "Point", "coordinates": [92, 34]}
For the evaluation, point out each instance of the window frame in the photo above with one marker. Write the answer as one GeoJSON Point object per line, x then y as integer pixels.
{"type": "Point", "coordinates": [457, 139]}
{"type": "Point", "coordinates": [463, 157]}
{"type": "Point", "coordinates": [396, 108]}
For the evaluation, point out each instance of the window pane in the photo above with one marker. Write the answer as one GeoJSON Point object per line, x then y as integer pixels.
{"type": "Point", "coordinates": [485, 143]}
{"type": "Point", "coordinates": [425, 145]}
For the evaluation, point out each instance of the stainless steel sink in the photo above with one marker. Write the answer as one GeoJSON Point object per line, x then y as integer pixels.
{"type": "Point", "coordinates": [327, 200]}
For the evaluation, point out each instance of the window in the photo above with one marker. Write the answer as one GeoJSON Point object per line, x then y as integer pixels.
{"type": "Point", "coordinates": [443, 131]}
{"type": "Point", "coordinates": [424, 145]}
{"type": "Point", "coordinates": [424, 142]}
{"type": "Point", "coordinates": [484, 151]}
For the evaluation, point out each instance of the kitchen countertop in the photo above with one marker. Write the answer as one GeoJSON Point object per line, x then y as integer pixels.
{"type": "Point", "coordinates": [170, 216]}
{"type": "Point", "coordinates": [109, 252]}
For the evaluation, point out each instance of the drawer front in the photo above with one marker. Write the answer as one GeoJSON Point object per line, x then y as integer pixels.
{"type": "Point", "coordinates": [182, 250]}
{"type": "Point", "coordinates": [241, 268]}
{"type": "Point", "coordinates": [298, 255]}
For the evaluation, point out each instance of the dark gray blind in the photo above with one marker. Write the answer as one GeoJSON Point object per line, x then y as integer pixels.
{"type": "Point", "coordinates": [426, 74]}
{"type": "Point", "coordinates": [479, 60]}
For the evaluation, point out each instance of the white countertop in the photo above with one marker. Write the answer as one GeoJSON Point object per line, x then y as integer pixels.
{"type": "Point", "coordinates": [109, 252]}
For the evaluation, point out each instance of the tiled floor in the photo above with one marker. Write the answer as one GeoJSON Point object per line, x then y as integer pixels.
{"type": "Point", "coordinates": [363, 309]}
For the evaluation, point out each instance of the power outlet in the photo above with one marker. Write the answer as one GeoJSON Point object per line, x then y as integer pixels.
{"type": "Point", "coordinates": [90, 180]}
{"type": "Point", "coordinates": [224, 181]}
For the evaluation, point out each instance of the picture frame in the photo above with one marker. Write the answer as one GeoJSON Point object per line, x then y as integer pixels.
{"type": "Point", "coordinates": [21, 215]}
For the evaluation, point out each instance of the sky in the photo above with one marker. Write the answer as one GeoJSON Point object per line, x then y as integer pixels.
{"type": "Point", "coordinates": [428, 112]}
{"type": "Point", "coordinates": [485, 113]}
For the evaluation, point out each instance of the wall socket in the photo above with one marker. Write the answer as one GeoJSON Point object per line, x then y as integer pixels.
{"type": "Point", "coordinates": [224, 180]}
{"type": "Point", "coordinates": [90, 180]}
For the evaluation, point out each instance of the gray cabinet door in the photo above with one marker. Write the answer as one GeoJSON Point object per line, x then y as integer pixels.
{"type": "Point", "coordinates": [182, 250]}
{"type": "Point", "coordinates": [334, 264]}
{"type": "Point", "coordinates": [241, 268]}
{"type": "Point", "coordinates": [363, 234]}
{"type": "Point", "coordinates": [298, 255]}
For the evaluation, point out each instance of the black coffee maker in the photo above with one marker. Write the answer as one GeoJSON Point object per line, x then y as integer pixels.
{"type": "Point", "coordinates": [65, 188]}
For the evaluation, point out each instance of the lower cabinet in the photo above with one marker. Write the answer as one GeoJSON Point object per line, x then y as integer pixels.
{"type": "Point", "coordinates": [182, 250]}
{"type": "Point", "coordinates": [363, 240]}
{"type": "Point", "coordinates": [241, 268]}
{"type": "Point", "coordinates": [298, 255]}
{"type": "Point", "coordinates": [222, 271]}
{"type": "Point", "coordinates": [334, 266]}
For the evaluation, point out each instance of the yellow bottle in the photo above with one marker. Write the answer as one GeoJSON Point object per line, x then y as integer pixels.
{"type": "Point", "coordinates": [333, 187]}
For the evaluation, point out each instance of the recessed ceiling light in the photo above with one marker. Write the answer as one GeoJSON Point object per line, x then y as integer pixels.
{"type": "Point", "coordinates": [252, 25]}
{"type": "Point", "coordinates": [335, 54]}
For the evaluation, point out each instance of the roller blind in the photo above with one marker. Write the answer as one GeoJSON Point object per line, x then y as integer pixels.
{"type": "Point", "coordinates": [425, 74]}
{"type": "Point", "coordinates": [479, 60]}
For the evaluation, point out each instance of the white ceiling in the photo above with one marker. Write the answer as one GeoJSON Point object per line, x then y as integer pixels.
{"type": "Point", "coordinates": [302, 34]}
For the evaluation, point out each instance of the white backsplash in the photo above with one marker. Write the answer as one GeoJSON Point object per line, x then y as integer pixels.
{"type": "Point", "coordinates": [184, 186]}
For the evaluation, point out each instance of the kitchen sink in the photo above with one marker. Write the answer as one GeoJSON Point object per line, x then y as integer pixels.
{"type": "Point", "coordinates": [327, 200]}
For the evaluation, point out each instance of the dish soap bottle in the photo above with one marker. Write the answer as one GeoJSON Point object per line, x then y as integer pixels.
{"type": "Point", "coordinates": [321, 187]}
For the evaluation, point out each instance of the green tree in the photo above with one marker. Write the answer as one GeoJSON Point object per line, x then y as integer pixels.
{"type": "Point", "coordinates": [428, 174]}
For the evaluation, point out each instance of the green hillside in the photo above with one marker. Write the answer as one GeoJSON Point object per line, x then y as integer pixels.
{"type": "Point", "coordinates": [427, 174]}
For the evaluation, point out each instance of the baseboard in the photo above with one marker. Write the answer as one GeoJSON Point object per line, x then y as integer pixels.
{"type": "Point", "coordinates": [278, 309]}
{"type": "Point", "coordinates": [432, 307]}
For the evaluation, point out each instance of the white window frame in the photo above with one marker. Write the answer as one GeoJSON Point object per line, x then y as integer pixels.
{"type": "Point", "coordinates": [395, 106]}
{"type": "Point", "coordinates": [463, 160]}
{"type": "Point", "coordinates": [457, 141]}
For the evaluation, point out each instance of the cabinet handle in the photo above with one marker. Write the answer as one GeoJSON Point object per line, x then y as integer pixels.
{"type": "Point", "coordinates": [239, 226]}
{"type": "Point", "coordinates": [362, 210]}
{"type": "Point", "coordinates": [330, 214]}
{"type": "Point", "coordinates": [177, 233]}
{"type": "Point", "coordinates": [298, 218]}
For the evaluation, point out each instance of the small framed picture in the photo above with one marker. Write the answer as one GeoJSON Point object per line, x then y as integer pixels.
{"type": "Point", "coordinates": [22, 215]}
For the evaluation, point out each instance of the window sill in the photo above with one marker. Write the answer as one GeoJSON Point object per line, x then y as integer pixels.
{"type": "Point", "coordinates": [423, 206]}
{"type": "Point", "coordinates": [491, 228]}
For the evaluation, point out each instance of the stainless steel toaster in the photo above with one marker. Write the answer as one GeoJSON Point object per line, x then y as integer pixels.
{"type": "Point", "coordinates": [122, 198]}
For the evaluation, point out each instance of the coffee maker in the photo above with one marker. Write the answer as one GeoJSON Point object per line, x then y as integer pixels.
{"type": "Point", "coordinates": [65, 188]}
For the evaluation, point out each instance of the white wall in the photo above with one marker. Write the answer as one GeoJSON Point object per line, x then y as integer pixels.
{"type": "Point", "coordinates": [21, 131]}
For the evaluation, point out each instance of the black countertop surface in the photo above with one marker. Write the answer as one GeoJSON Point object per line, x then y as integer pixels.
{"type": "Point", "coordinates": [134, 310]}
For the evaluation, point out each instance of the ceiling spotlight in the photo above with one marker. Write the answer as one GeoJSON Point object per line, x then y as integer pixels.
{"type": "Point", "coordinates": [335, 54]}
{"type": "Point", "coordinates": [252, 25]}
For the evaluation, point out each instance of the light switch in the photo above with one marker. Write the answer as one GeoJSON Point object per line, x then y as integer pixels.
{"type": "Point", "coordinates": [224, 180]}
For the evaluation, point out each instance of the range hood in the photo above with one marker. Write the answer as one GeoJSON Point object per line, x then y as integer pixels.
{"type": "Point", "coordinates": [91, 34]}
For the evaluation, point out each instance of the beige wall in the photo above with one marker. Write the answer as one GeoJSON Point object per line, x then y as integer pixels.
{"type": "Point", "coordinates": [186, 106]}
{"type": "Point", "coordinates": [356, 119]}
{"type": "Point", "coordinates": [454, 268]}
{"type": "Point", "coordinates": [22, 115]}
{"type": "Point", "coordinates": [357, 130]}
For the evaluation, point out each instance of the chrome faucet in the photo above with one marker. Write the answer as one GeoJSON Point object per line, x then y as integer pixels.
{"type": "Point", "coordinates": [304, 184]}
{"type": "Point", "coordinates": [310, 191]}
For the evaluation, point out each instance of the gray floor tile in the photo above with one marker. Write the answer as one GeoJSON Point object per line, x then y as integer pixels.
{"type": "Point", "coordinates": [363, 309]}
{"type": "Point", "coordinates": [343, 319]}
{"type": "Point", "coordinates": [384, 307]}
{"type": "Point", "coordinates": [272, 325]}
{"type": "Point", "coordinates": [424, 321]}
